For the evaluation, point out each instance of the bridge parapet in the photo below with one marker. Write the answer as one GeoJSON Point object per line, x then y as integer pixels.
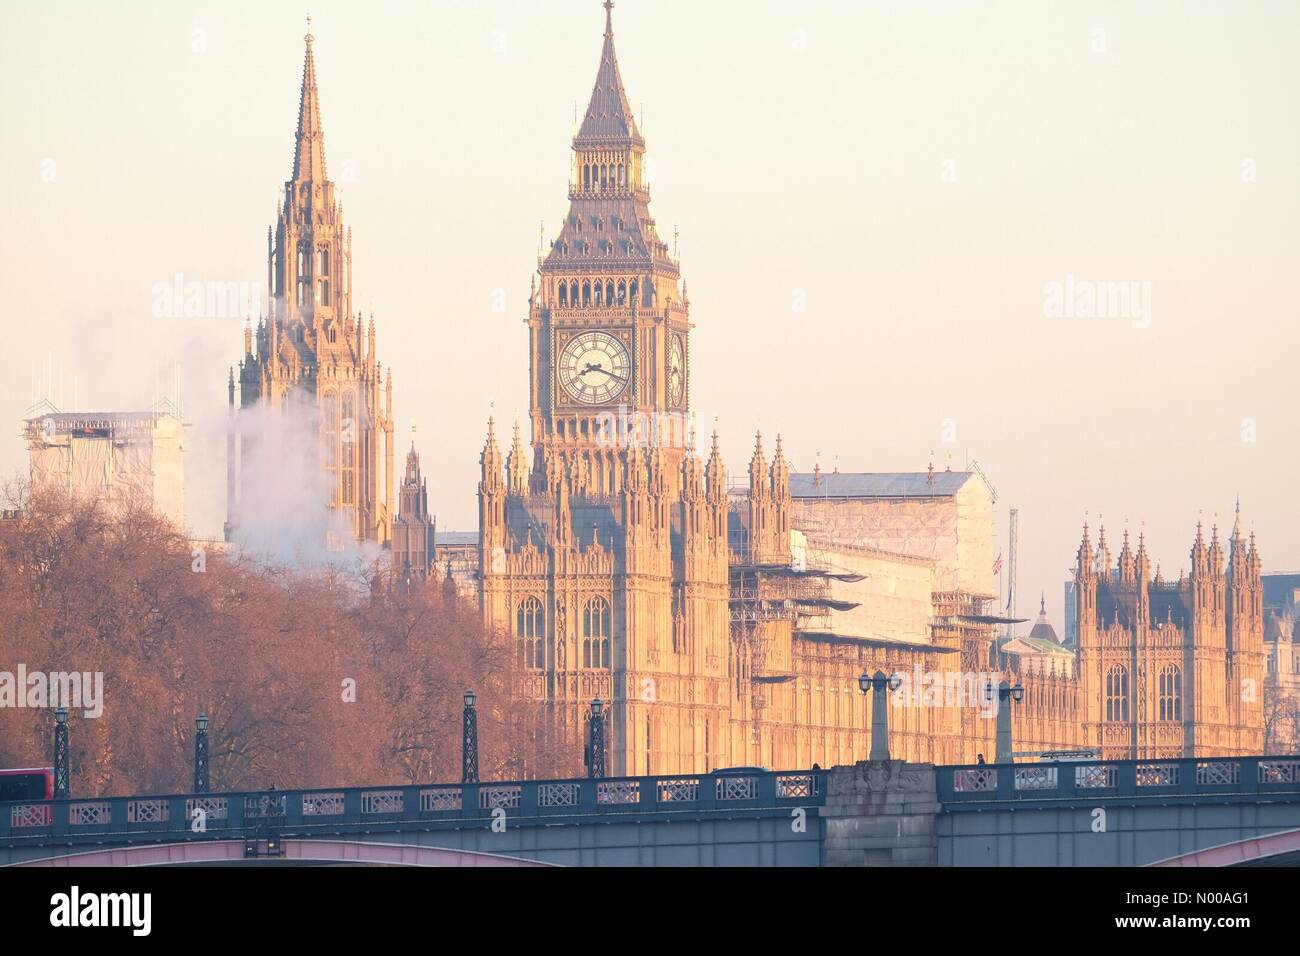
{"type": "Point", "coordinates": [325, 811]}
{"type": "Point", "coordinates": [975, 787]}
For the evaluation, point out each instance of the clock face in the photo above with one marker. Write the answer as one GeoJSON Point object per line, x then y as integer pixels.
{"type": "Point", "coordinates": [594, 368]}
{"type": "Point", "coordinates": [676, 371]}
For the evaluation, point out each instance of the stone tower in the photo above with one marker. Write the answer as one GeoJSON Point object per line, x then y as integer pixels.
{"type": "Point", "coordinates": [309, 359]}
{"type": "Point", "coordinates": [609, 326]}
{"type": "Point", "coordinates": [606, 559]}
{"type": "Point", "coordinates": [1170, 669]}
{"type": "Point", "coordinates": [413, 528]}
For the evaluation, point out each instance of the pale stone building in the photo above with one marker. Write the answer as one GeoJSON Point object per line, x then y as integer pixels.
{"type": "Point", "coordinates": [117, 456]}
{"type": "Point", "coordinates": [729, 626]}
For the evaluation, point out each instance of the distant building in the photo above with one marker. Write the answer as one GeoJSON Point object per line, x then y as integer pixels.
{"type": "Point", "coordinates": [1071, 618]}
{"type": "Point", "coordinates": [119, 457]}
{"type": "Point", "coordinates": [1040, 651]}
{"type": "Point", "coordinates": [1282, 677]}
{"type": "Point", "coordinates": [413, 528]}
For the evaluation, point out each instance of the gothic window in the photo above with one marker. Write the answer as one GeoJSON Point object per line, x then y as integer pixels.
{"type": "Point", "coordinates": [586, 177]}
{"type": "Point", "coordinates": [323, 262]}
{"type": "Point", "coordinates": [635, 286]}
{"type": "Point", "coordinates": [530, 633]}
{"type": "Point", "coordinates": [622, 292]}
{"type": "Point", "coordinates": [564, 295]}
{"type": "Point", "coordinates": [302, 284]}
{"type": "Point", "coordinates": [1117, 693]}
{"type": "Point", "coordinates": [622, 176]}
{"type": "Point", "coordinates": [609, 292]}
{"type": "Point", "coordinates": [600, 297]}
{"type": "Point", "coordinates": [586, 294]}
{"type": "Point", "coordinates": [349, 439]}
{"type": "Point", "coordinates": [1171, 693]}
{"type": "Point", "coordinates": [595, 633]}
{"type": "Point", "coordinates": [330, 427]}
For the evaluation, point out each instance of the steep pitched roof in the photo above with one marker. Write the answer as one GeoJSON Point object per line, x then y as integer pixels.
{"type": "Point", "coordinates": [309, 150]}
{"type": "Point", "coordinates": [1043, 630]}
{"type": "Point", "coordinates": [609, 117]}
{"type": "Point", "coordinates": [907, 484]}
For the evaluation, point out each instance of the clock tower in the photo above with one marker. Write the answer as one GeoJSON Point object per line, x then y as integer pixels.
{"type": "Point", "coordinates": [609, 325]}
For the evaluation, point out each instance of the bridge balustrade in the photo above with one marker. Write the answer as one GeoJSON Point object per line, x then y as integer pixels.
{"type": "Point", "coordinates": [990, 783]}
{"type": "Point", "coordinates": [306, 812]}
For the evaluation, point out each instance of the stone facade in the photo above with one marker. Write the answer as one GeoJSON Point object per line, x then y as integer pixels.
{"type": "Point", "coordinates": [881, 813]}
{"type": "Point", "coordinates": [729, 626]}
{"type": "Point", "coordinates": [310, 357]}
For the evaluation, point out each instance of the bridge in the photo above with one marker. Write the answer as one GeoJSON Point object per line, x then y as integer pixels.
{"type": "Point", "coordinates": [1185, 812]}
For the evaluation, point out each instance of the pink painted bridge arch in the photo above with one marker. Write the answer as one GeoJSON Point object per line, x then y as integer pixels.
{"type": "Point", "coordinates": [1272, 849]}
{"type": "Point", "coordinates": [320, 852]}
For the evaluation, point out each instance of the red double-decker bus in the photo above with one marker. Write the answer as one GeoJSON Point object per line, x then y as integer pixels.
{"type": "Point", "coordinates": [33, 783]}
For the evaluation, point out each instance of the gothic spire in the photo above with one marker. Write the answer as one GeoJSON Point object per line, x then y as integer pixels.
{"type": "Point", "coordinates": [609, 119]}
{"type": "Point", "coordinates": [309, 151]}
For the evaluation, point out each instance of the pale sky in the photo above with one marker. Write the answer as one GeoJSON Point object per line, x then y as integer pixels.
{"type": "Point", "coordinates": [915, 172]}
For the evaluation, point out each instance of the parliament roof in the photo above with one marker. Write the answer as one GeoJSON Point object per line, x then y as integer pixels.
{"type": "Point", "coordinates": [897, 484]}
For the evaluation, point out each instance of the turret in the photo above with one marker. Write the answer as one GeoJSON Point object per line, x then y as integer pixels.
{"type": "Point", "coordinates": [492, 505]}
{"type": "Point", "coordinates": [517, 467]}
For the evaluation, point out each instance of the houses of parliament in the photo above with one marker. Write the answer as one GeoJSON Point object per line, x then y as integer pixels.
{"type": "Point", "coordinates": [724, 623]}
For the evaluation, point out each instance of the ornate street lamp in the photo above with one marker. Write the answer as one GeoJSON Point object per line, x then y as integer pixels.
{"type": "Point", "coordinates": [201, 754]}
{"type": "Point", "coordinates": [469, 742]}
{"type": "Point", "coordinates": [61, 781]}
{"type": "Point", "coordinates": [596, 740]}
{"type": "Point", "coordinates": [879, 683]}
{"type": "Point", "coordinates": [1006, 695]}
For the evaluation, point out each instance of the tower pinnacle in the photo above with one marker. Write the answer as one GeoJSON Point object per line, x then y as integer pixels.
{"type": "Point", "coordinates": [309, 150]}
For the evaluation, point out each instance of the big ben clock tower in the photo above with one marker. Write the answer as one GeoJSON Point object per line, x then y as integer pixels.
{"type": "Point", "coordinates": [609, 325]}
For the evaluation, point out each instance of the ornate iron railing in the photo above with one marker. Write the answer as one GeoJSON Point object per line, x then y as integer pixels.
{"type": "Point", "coordinates": [309, 812]}
{"type": "Point", "coordinates": [1092, 780]}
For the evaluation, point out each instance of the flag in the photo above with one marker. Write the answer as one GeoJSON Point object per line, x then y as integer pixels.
{"type": "Point", "coordinates": [997, 565]}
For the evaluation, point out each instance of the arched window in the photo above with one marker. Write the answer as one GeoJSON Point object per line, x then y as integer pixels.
{"type": "Point", "coordinates": [1171, 693]}
{"type": "Point", "coordinates": [564, 295]}
{"type": "Point", "coordinates": [635, 286]}
{"type": "Point", "coordinates": [622, 292]}
{"type": "Point", "coordinates": [348, 461]}
{"type": "Point", "coordinates": [609, 292]}
{"type": "Point", "coordinates": [586, 177]}
{"type": "Point", "coordinates": [330, 428]}
{"type": "Point", "coordinates": [600, 295]}
{"type": "Point", "coordinates": [530, 633]}
{"type": "Point", "coordinates": [586, 294]}
{"type": "Point", "coordinates": [573, 293]}
{"type": "Point", "coordinates": [595, 633]}
{"type": "Point", "coordinates": [1117, 693]}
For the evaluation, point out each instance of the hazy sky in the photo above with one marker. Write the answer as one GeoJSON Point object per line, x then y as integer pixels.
{"type": "Point", "coordinates": [914, 173]}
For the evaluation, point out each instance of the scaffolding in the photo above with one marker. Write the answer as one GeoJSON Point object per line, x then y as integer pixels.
{"type": "Point", "coordinates": [765, 595]}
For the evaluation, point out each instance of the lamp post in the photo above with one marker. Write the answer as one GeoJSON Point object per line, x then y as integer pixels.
{"type": "Point", "coordinates": [469, 742]}
{"type": "Point", "coordinates": [1006, 694]}
{"type": "Point", "coordinates": [596, 740]}
{"type": "Point", "coordinates": [61, 788]}
{"type": "Point", "coordinates": [879, 710]}
{"type": "Point", "coordinates": [201, 754]}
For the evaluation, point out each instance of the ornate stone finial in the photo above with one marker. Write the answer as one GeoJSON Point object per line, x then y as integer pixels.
{"type": "Point", "coordinates": [609, 18]}
{"type": "Point", "coordinates": [309, 37]}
